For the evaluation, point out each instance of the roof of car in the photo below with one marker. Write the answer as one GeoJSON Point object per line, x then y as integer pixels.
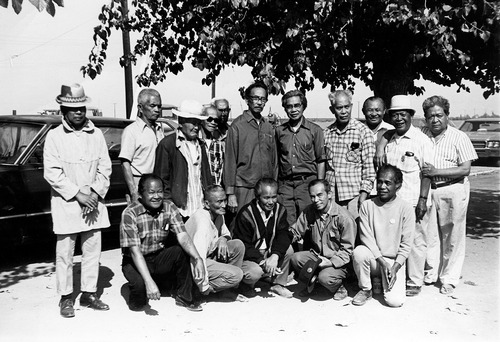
{"type": "Point", "coordinates": [55, 119]}
{"type": "Point", "coordinates": [483, 119]}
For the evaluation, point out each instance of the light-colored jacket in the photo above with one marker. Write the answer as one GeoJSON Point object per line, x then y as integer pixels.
{"type": "Point", "coordinates": [76, 161]}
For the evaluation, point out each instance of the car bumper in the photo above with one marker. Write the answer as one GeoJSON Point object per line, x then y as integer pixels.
{"type": "Point", "coordinates": [488, 152]}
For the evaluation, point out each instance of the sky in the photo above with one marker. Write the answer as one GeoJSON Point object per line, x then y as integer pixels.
{"type": "Point", "coordinates": [39, 53]}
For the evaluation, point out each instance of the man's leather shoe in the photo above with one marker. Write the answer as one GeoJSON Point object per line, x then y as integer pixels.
{"type": "Point", "coordinates": [247, 290]}
{"type": "Point", "coordinates": [361, 297]}
{"type": "Point", "coordinates": [66, 308]}
{"type": "Point", "coordinates": [190, 306]}
{"type": "Point", "coordinates": [341, 293]}
{"type": "Point", "coordinates": [90, 300]}
{"type": "Point", "coordinates": [412, 291]}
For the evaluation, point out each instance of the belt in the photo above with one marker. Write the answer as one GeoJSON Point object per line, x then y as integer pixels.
{"type": "Point", "coordinates": [302, 177]}
{"type": "Point", "coordinates": [441, 184]}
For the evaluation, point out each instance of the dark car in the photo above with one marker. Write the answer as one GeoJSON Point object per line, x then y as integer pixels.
{"type": "Point", "coordinates": [24, 193]}
{"type": "Point", "coordinates": [485, 136]}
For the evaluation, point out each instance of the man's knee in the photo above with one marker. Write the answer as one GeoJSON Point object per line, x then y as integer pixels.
{"type": "Point", "coordinates": [361, 253]}
{"type": "Point", "coordinates": [252, 274]}
{"type": "Point", "coordinates": [236, 247]}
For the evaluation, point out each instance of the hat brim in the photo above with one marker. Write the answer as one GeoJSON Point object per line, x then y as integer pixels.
{"type": "Point", "coordinates": [76, 104]}
{"type": "Point", "coordinates": [189, 115]}
{"type": "Point", "coordinates": [395, 109]}
{"type": "Point", "coordinates": [308, 274]}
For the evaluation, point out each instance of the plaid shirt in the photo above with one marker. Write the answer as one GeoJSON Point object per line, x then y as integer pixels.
{"type": "Point", "coordinates": [350, 159]}
{"type": "Point", "coordinates": [140, 227]}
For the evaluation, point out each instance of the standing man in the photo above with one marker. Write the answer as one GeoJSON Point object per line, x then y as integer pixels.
{"type": "Point", "coordinates": [263, 228]}
{"type": "Point", "coordinates": [408, 149]}
{"type": "Point", "coordinates": [349, 150]}
{"type": "Point", "coordinates": [300, 153]}
{"type": "Point", "coordinates": [140, 139]}
{"type": "Point", "coordinates": [149, 258]}
{"type": "Point", "coordinates": [77, 167]}
{"type": "Point", "coordinates": [386, 230]}
{"type": "Point", "coordinates": [221, 255]}
{"type": "Point", "coordinates": [214, 143]}
{"type": "Point", "coordinates": [454, 154]}
{"type": "Point", "coordinates": [250, 150]}
{"type": "Point", "coordinates": [182, 162]}
{"type": "Point", "coordinates": [374, 111]}
{"type": "Point", "coordinates": [332, 231]}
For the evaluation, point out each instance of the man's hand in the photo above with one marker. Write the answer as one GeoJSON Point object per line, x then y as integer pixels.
{"type": "Point", "coordinates": [428, 170]}
{"type": "Point", "coordinates": [325, 262]}
{"type": "Point", "coordinates": [270, 265]}
{"type": "Point", "coordinates": [394, 271]}
{"type": "Point", "coordinates": [379, 158]}
{"type": "Point", "coordinates": [152, 290]}
{"type": "Point", "coordinates": [420, 209]}
{"type": "Point", "coordinates": [88, 202]}
{"type": "Point", "coordinates": [222, 250]}
{"type": "Point", "coordinates": [385, 269]}
{"type": "Point", "coordinates": [198, 271]}
{"type": "Point", "coordinates": [232, 203]}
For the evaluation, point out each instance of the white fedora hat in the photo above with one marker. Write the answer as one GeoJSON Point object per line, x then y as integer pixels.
{"type": "Point", "coordinates": [401, 102]}
{"type": "Point", "coordinates": [72, 96]}
{"type": "Point", "coordinates": [190, 109]}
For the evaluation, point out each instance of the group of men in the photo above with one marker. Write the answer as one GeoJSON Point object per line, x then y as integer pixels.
{"type": "Point", "coordinates": [298, 198]}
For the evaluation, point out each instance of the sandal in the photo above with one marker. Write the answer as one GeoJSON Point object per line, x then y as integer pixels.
{"type": "Point", "coordinates": [447, 289]}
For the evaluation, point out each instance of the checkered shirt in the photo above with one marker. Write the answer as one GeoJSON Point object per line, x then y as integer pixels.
{"type": "Point", "coordinates": [140, 227]}
{"type": "Point", "coordinates": [350, 159]}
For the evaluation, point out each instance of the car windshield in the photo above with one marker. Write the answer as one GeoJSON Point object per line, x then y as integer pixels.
{"type": "Point", "coordinates": [480, 126]}
{"type": "Point", "coordinates": [14, 138]}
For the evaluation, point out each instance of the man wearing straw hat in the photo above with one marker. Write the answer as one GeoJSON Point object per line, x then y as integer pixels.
{"type": "Point", "coordinates": [78, 168]}
{"type": "Point", "coordinates": [182, 162]}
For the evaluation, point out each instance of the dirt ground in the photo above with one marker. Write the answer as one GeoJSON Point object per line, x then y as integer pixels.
{"type": "Point", "coordinates": [29, 311]}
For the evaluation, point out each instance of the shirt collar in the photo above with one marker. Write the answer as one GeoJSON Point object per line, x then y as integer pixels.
{"type": "Point", "coordinates": [249, 116]}
{"type": "Point", "coordinates": [140, 209]}
{"type": "Point", "coordinates": [411, 133]}
{"type": "Point", "coordinates": [263, 212]}
{"type": "Point", "coordinates": [304, 123]}
{"type": "Point", "coordinates": [140, 121]}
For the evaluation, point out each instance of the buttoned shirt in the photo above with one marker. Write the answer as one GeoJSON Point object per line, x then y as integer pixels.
{"type": "Point", "coordinates": [452, 149]}
{"type": "Point", "coordinates": [350, 155]}
{"type": "Point", "coordinates": [299, 151]}
{"type": "Point", "coordinates": [409, 152]}
{"type": "Point", "coordinates": [148, 230]}
{"type": "Point", "coordinates": [332, 234]}
{"type": "Point", "coordinates": [265, 217]}
{"type": "Point", "coordinates": [138, 146]}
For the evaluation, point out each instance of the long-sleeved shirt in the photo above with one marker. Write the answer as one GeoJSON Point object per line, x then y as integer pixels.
{"type": "Point", "coordinates": [350, 155]}
{"type": "Point", "coordinates": [250, 152]}
{"type": "Point", "coordinates": [387, 228]}
{"type": "Point", "coordinates": [332, 234]}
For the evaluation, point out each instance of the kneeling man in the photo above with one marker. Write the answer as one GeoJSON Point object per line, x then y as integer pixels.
{"type": "Point", "coordinates": [222, 256]}
{"type": "Point", "coordinates": [148, 257]}
{"type": "Point", "coordinates": [262, 226]}
{"type": "Point", "coordinates": [331, 232]}
{"type": "Point", "coordinates": [387, 224]}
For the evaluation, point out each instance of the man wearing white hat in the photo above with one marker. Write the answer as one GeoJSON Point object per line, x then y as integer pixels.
{"type": "Point", "coordinates": [182, 162]}
{"type": "Point", "coordinates": [78, 168]}
{"type": "Point", "coordinates": [408, 149]}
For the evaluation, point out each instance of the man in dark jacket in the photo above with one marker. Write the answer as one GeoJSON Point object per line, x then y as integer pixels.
{"type": "Point", "coordinates": [182, 162]}
{"type": "Point", "coordinates": [263, 228]}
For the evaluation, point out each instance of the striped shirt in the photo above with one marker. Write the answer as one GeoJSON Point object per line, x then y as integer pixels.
{"type": "Point", "coordinates": [418, 146]}
{"type": "Point", "coordinates": [452, 149]}
{"type": "Point", "coordinates": [350, 159]}
{"type": "Point", "coordinates": [148, 230]}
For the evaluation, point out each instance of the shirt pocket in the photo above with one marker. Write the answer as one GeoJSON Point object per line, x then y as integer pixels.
{"type": "Point", "coordinates": [409, 163]}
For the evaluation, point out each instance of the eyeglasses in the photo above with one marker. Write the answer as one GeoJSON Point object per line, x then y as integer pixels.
{"type": "Point", "coordinates": [293, 106]}
{"type": "Point", "coordinates": [224, 110]}
{"type": "Point", "coordinates": [212, 119]}
{"type": "Point", "coordinates": [257, 99]}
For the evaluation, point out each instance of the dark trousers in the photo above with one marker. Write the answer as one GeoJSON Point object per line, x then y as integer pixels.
{"type": "Point", "coordinates": [169, 263]}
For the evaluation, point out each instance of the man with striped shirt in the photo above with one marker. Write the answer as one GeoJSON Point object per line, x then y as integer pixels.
{"type": "Point", "coordinates": [454, 154]}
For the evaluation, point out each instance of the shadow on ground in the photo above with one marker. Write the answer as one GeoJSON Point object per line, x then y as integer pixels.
{"type": "Point", "coordinates": [483, 216]}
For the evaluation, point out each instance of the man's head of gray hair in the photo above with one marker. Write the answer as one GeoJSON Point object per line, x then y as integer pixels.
{"type": "Point", "coordinates": [333, 96]}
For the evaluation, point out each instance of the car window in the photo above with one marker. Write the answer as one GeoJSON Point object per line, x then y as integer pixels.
{"type": "Point", "coordinates": [479, 126]}
{"type": "Point", "coordinates": [14, 138]}
{"type": "Point", "coordinates": [113, 136]}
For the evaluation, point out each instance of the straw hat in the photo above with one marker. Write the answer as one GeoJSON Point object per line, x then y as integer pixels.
{"type": "Point", "coordinates": [401, 102]}
{"type": "Point", "coordinates": [190, 109]}
{"type": "Point", "coordinates": [72, 96]}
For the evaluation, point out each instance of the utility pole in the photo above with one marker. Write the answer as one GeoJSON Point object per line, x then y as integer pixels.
{"type": "Point", "coordinates": [129, 95]}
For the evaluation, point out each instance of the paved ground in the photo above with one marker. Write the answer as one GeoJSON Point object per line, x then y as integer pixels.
{"type": "Point", "coordinates": [28, 302]}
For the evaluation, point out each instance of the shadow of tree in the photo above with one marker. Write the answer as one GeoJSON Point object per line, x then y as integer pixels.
{"type": "Point", "coordinates": [483, 216]}
{"type": "Point", "coordinates": [16, 274]}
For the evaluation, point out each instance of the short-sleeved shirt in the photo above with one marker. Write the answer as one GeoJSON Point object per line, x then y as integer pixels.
{"type": "Point", "coordinates": [350, 155]}
{"type": "Point", "coordinates": [452, 149]}
{"type": "Point", "coordinates": [148, 230]}
{"type": "Point", "coordinates": [299, 151]}
{"type": "Point", "coordinates": [138, 146]}
{"type": "Point", "coordinates": [409, 152]}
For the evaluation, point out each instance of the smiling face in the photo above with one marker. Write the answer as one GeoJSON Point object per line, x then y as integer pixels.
{"type": "Point", "coordinates": [216, 203]}
{"type": "Point", "coordinates": [342, 110]}
{"type": "Point", "coordinates": [386, 186]}
{"type": "Point", "coordinates": [190, 128]}
{"type": "Point", "coordinates": [320, 197]}
{"type": "Point", "coordinates": [211, 124]}
{"type": "Point", "coordinates": [294, 108]}
{"type": "Point", "coordinates": [401, 120]}
{"type": "Point", "coordinates": [268, 197]}
{"type": "Point", "coordinates": [152, 195]}
{"type": "Point", "coordinates": [374, 112]}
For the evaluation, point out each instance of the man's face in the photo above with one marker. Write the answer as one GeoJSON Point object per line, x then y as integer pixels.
{"type": "Point", "coordinates": [386, 187]}
{"type": "Point", "coordinates": [224, 110]}
{"type": "Point", "coordinates": [76, 116]}
{"type": "Point", "coordinates": [210, 124]}
{"type": "Point", "coordinates": [190, 127]}
{"type": "Point", "coordinates": [319, 197]}
{"type": "Point", "coordinates": [374, 112]}
{"type": "Point", "coordinates": [436, 119]}
{"type": "Point", "coordinates": [257, 100]}
{"type": "Point", "coordinates": [401, 120]}
{"type": "Point", "coordinates": [268, 197]}
{"type": "Point", "coordinates": [294, 108]}
{"type": "Point", "coordinates": [150, 109]}
{"type": "Point", "coordinates": [216, 203]}
{"type": "Point", "coordinates": [152, 195]}
{"type": "Point", "coordinates": [342, 109]}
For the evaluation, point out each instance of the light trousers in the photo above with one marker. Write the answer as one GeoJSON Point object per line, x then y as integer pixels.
{"type": "Point", "coordinates": [91, 254]}
{"type": "Point", "coordinates": [222, 276]}
{"type": "Point", "coordinates": [416, 259]}
{"type": "Point", "coordinates": [366, 266]}
{"type": "Point", "coordinates": [253, 272]}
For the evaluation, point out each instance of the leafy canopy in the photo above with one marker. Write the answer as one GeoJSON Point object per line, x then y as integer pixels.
{"type": "Point", "coordinates": [388, 44]}
{"type": "Point", "coordinates": [40, 5]}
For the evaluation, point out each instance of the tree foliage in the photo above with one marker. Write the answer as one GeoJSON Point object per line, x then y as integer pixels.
{"type": "Point", "coordinates": [388, 44]}
{"type": "Point", "coordinates": [40, 5]}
